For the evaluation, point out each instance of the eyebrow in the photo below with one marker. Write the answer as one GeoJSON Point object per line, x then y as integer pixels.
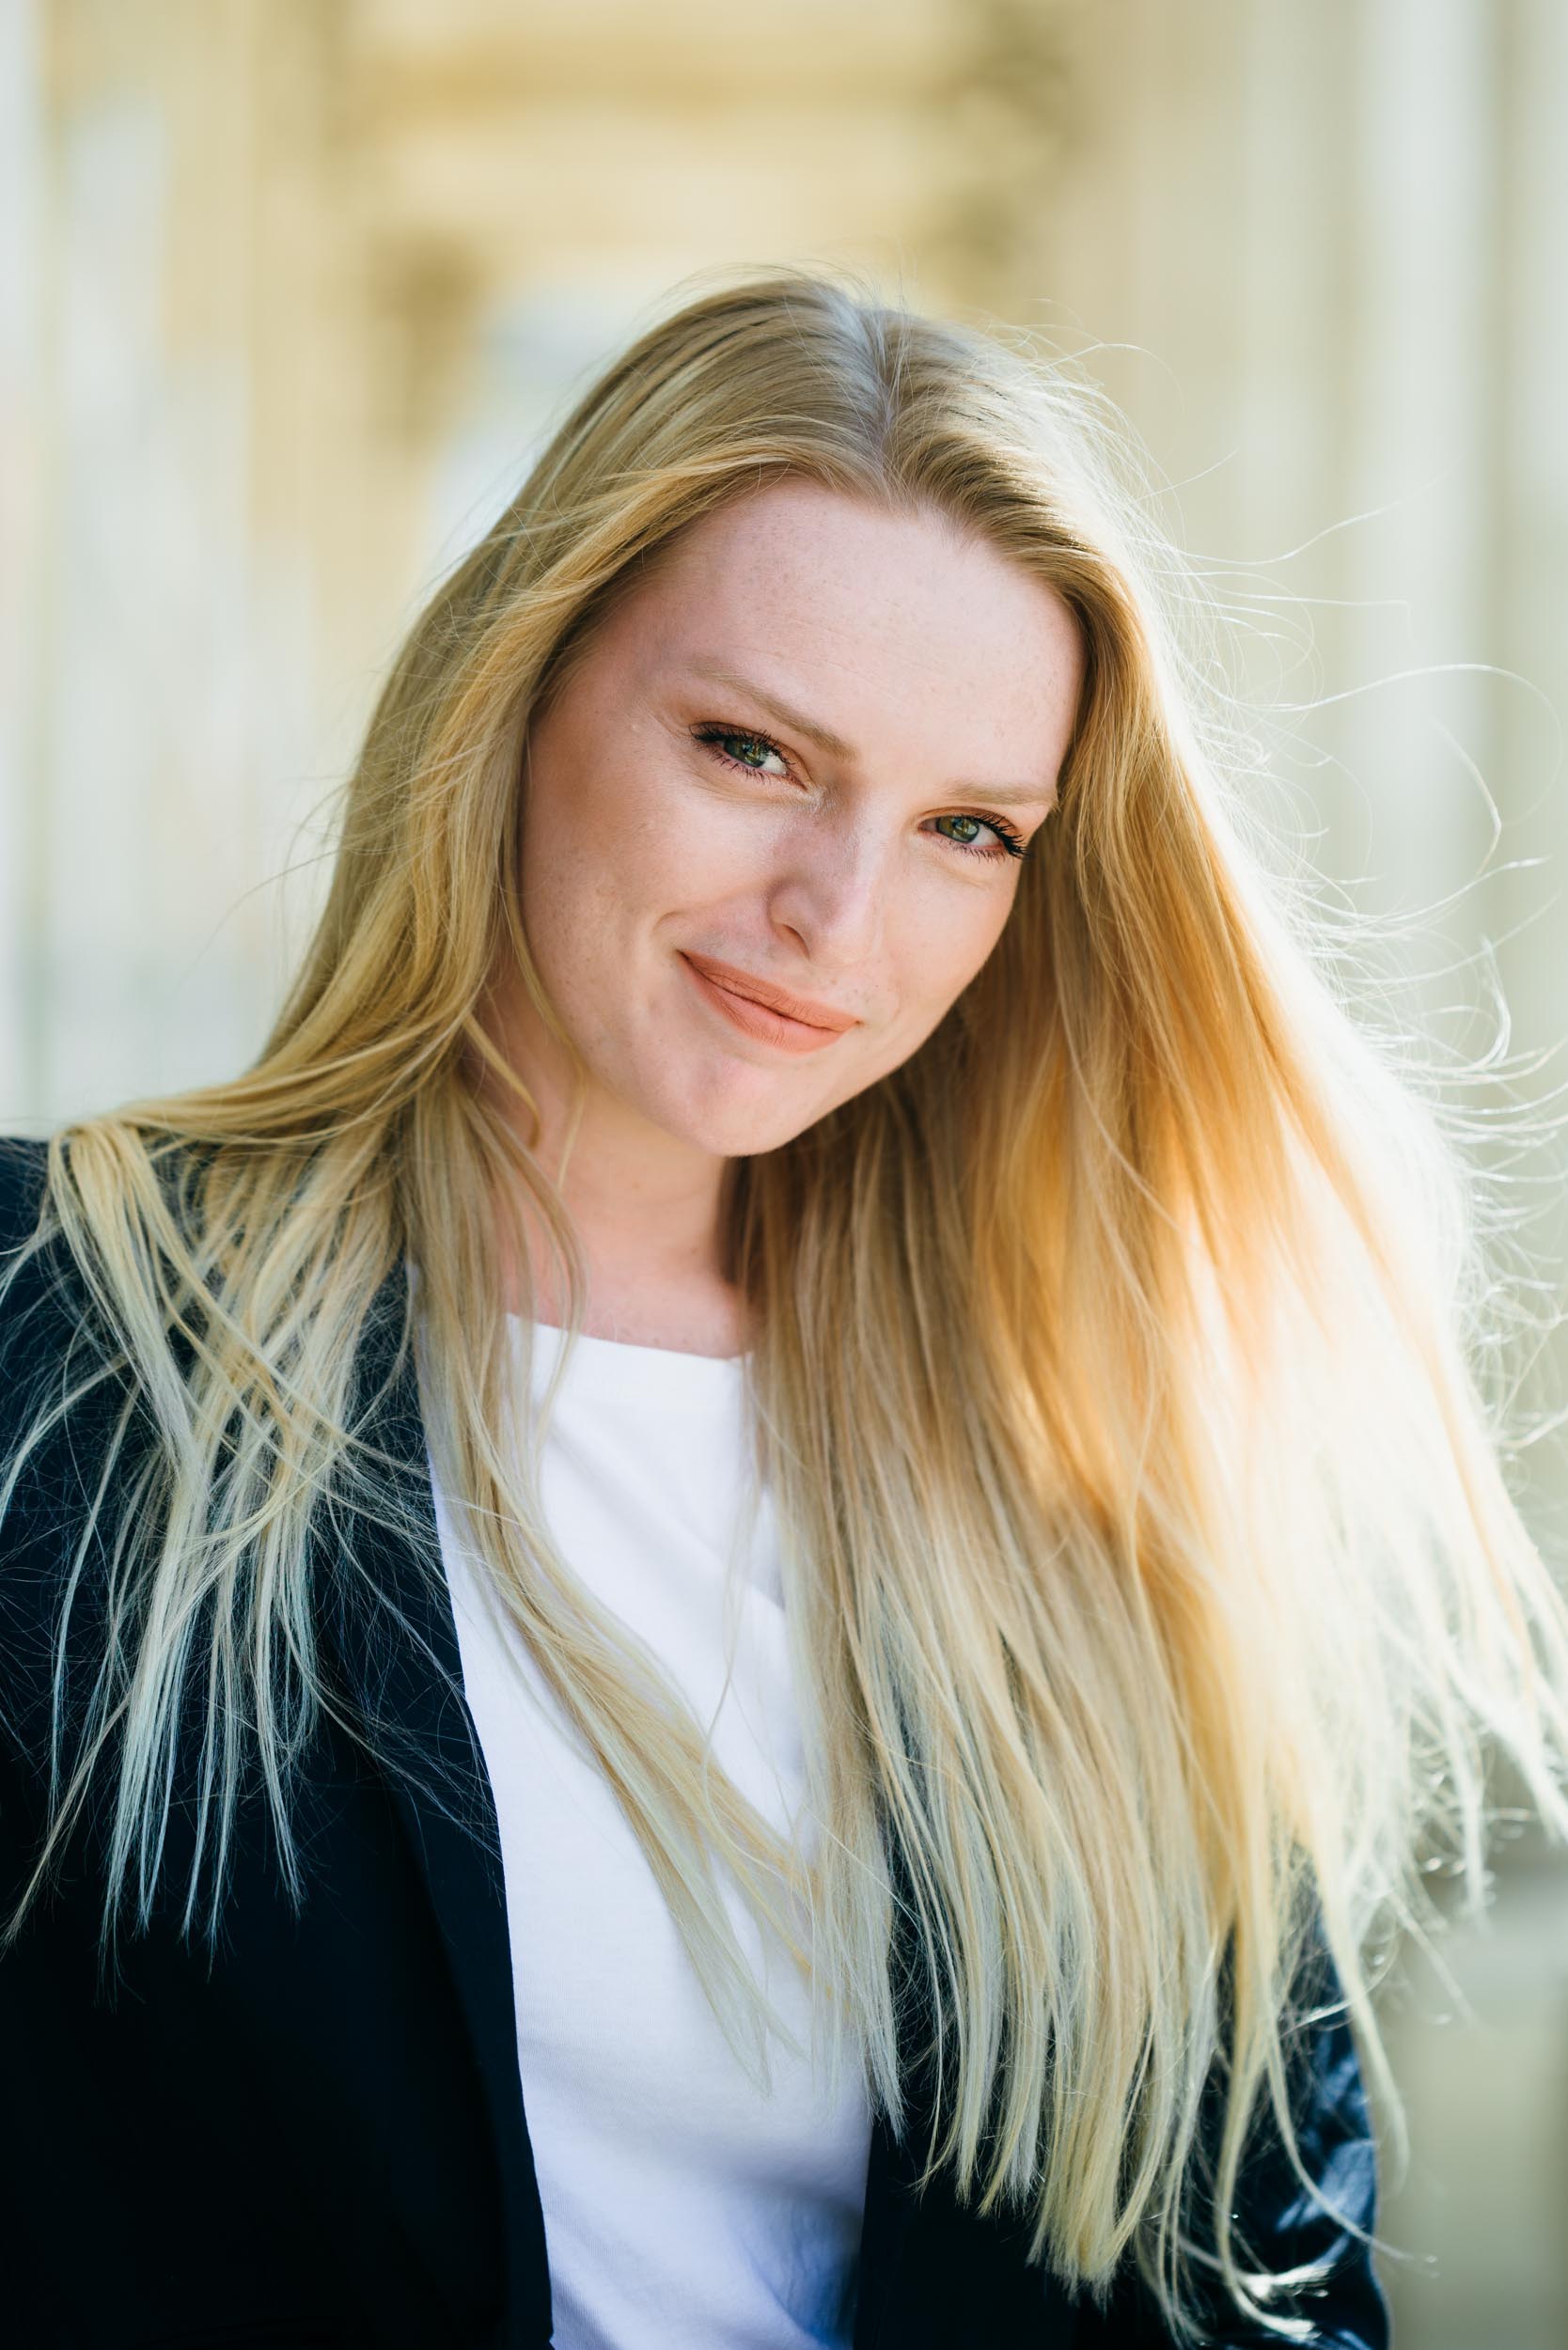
{"type": "Point", "coordinates": [1005, 794]}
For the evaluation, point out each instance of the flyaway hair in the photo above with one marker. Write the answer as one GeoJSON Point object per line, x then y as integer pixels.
{"type": "Point", "coordinates": [1123, 1374]}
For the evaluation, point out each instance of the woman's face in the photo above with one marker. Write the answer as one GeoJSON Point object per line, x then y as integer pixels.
{"type": "Point", "coordinates": [791, 758]}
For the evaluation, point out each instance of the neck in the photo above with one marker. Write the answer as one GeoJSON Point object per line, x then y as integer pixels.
{"type": "Point", "coordinates": [648, 1211]}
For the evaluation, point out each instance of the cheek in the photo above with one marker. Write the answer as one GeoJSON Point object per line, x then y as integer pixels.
{"type": "Point", "coordinates": [942, 947]}
{"type": "Point", "coordinates": [681, 840]}
{"type": "Point", "coordinates": [604, 865]}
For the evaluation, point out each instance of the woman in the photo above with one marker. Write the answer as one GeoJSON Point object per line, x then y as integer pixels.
{"type": "Point", "coordinates": [732, 1608]}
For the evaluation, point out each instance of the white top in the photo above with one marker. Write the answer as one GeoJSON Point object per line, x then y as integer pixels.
{"type": "Point", "coordinates": [684, 2209]}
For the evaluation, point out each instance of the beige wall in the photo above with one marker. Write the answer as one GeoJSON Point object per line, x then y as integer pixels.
{"type": "Point", "coordinates": [290, 288]}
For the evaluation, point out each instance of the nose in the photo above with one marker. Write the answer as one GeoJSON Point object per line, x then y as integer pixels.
{"type": "Point", "coordinates": [830, 888]}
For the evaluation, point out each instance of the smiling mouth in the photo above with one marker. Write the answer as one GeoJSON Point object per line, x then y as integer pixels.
{"type": "Point", "coordinates": [760, 1020]}
{"type": "Point", "coordinates": [803, 1009]}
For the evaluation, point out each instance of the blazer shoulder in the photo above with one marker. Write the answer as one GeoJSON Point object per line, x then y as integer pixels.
{"type": "Point", "coordinates": [43, 1496]}
{"type": "Point", "coordinates": [23, 1171]}
{"type": "Point", "coordinates": [44, 1304]}
{"type": "Point", "coordinates": [48, 1322]}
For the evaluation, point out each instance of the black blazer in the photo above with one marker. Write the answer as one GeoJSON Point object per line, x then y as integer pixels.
{"type": "Point", "coordinates": [317, 2135]}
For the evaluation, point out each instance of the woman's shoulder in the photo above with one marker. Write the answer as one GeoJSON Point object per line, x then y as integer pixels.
{"type": "Point", "coordinates": [23, 1179]}
{"type": "Point", "coordinates": [62, 1408]}
{"type": "Point", "coordinates": [42, 1302]}
{"type": "Point", "coordinates": [23, 1170]}
{"type": "Point", "coordinates": [40, 1310]}
{"type": "Point", "coordinates": [59, 1389]}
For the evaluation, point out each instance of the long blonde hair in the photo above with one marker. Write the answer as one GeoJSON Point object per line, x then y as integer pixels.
{"type": "Point", "coordinates": [1154, 1588]}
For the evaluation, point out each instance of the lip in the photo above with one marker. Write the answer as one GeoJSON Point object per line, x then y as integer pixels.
{"type": "Point", "coordinates": [803, 1009]}
{"type": "Point", "coordinates": [763, 1019]}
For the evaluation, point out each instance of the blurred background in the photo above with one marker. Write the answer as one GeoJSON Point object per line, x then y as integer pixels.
{"type": "Point", "coordinates": [290, 290]}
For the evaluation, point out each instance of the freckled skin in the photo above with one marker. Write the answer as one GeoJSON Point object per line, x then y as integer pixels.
{"type": "Point", "coordinates": [945, 667]}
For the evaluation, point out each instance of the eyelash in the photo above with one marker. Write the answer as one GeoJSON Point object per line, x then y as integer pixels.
{"type": "Point", "coordinates": [712, 735]}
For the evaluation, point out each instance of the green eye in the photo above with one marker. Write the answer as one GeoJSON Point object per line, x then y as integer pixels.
{"type": "Point", "coordinates": [754, 749]}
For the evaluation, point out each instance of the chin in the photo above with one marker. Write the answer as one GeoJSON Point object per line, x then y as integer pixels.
{"type": "Point", "coordinates": [741, 1130]}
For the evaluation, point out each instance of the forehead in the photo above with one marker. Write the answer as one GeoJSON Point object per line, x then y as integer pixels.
{"type": "Point", "coordinates": [868, 615]}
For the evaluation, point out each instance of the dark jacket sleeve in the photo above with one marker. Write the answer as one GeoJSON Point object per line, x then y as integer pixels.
{"type": "Point", "coordinates": [1277, 2224]}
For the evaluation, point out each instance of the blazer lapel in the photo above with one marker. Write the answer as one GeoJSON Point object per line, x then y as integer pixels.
{"type": "Point", "coordinates": [396, 1644]}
